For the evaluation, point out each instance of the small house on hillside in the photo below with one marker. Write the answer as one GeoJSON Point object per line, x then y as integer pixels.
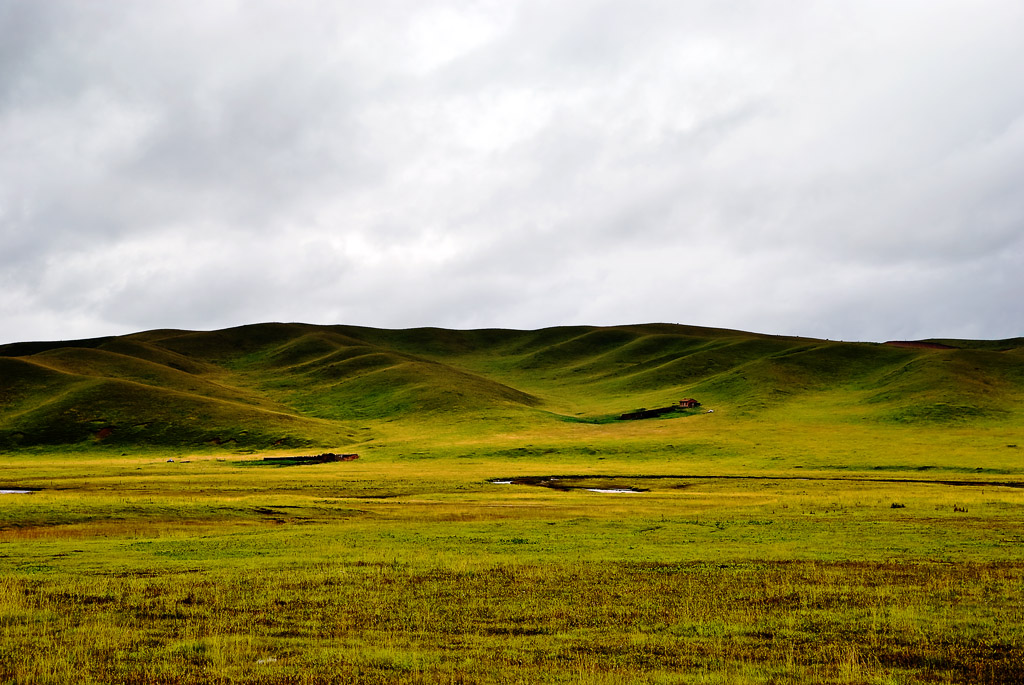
{"type": "Point", "coordinates": [688, 403]}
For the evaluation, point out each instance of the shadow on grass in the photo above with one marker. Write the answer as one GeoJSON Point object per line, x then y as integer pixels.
{"type": "Point", "coordinates": [306, 460]}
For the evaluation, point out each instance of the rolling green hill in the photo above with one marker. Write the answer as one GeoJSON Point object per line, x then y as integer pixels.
{"type": "Point", "coordinates": [296, 385]}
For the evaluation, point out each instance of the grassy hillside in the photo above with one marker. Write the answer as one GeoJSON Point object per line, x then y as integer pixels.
{"type": "Point", "coordinates": [849, 513]}
{"type": "Point", "coordinates": [286, 385]}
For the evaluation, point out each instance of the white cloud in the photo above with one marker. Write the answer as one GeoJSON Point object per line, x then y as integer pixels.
{"type": "Point", "coordinates": [845, 170]}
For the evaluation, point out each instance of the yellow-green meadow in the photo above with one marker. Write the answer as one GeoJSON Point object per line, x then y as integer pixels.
{"type": "Point", "coordinates": [831, 520]}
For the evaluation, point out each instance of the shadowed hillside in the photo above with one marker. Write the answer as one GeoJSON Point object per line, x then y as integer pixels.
{"type": "Point", "coordinates": [284, 385]}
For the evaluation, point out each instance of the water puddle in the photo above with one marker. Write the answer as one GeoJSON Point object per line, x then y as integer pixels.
{"type": "Point", "coordinates": [621, 485]}
{"type": "Point", "coordinates": [16, 492]}
{"type": "Point", "coordinates": [606, 485]}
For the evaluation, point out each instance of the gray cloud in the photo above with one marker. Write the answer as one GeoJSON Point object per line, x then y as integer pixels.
{"type": "Point", "coordinates": [846, 171]}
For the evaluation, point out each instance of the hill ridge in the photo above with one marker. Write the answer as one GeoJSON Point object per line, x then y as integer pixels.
{"type": "Point", "coordinates": [261, 385]}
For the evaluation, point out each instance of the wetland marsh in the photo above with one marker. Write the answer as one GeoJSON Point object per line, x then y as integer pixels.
{"type": "Point", "coordinates": [403, 569]}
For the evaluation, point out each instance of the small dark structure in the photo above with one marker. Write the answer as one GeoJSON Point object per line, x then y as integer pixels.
{"type": "Point", "coordinates": [324, 458]}
{"type": "Point", "coordinates": [689, 403]}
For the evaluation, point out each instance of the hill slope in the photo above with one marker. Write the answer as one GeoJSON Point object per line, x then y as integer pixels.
{"type": "Point", "coordinates": [290, 385]}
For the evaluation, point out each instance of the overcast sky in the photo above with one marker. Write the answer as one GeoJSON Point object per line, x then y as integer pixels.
{"type": "Point", "coordinates": [845, 170]}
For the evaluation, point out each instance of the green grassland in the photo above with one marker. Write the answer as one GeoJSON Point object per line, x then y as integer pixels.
{"type": "Point", "coordinates": [848, 513]}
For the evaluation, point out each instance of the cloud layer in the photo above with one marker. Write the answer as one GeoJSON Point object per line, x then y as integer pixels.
{"type": "Point", "coordinates": [841, 170]}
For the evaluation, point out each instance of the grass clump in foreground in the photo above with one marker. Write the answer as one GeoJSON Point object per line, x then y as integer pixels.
{"type": "Point", "coordinates": [608, 622]}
